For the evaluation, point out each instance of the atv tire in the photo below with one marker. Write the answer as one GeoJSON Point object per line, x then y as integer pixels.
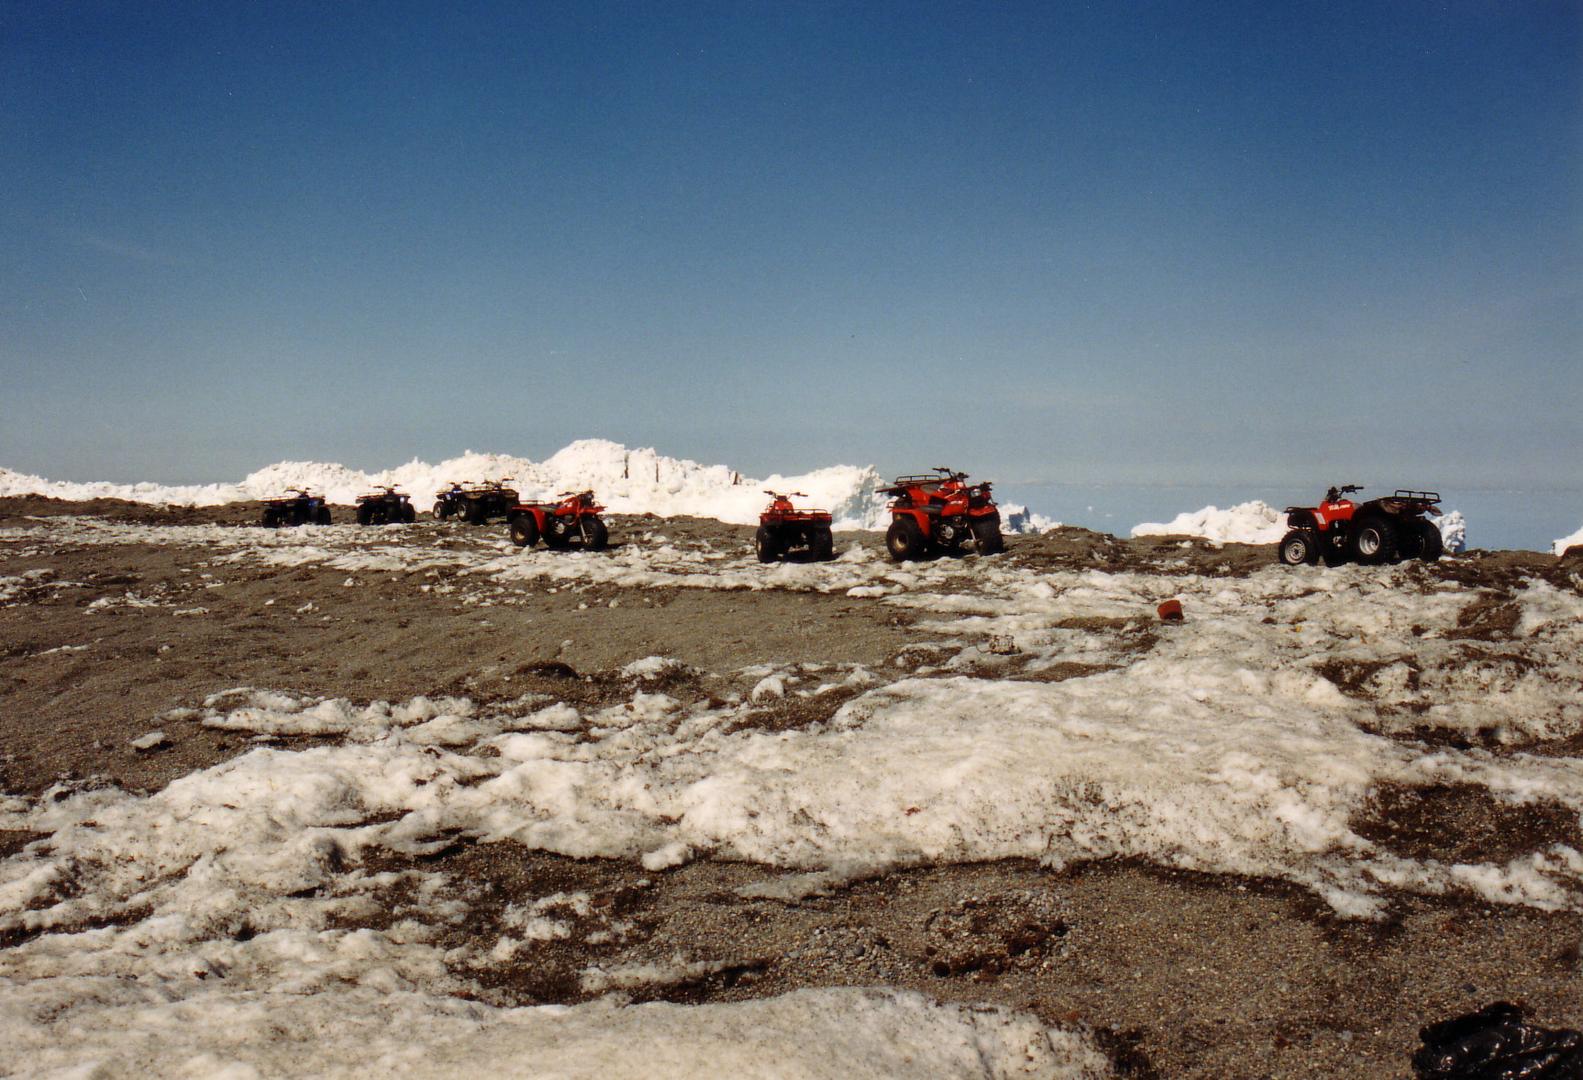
{"type": "Point", "coordinates": [1374, 541]}
{"type": "Point", "coordinates": [442, 509]}
{"type": "Point", "coordinates": [986, 537]}
{"type": "Point", "coordinates": [766, 545]}
{"type": "Point", "coordinates": [409, 513]}
{"type": "Point", "coordinates": [365, 514]}
{"type": "Point", "coordinates": [904, 540]}
{"type": "Point", "coordinates": [1298, 548]}
{"type": "Point", "coordinates": [555, 533]}
{"type": "Point", "coordinates": [524, 530]}
{"type": "Point", "coordinates": [1433, 544]}
{"type": "Point", "coordinates": [595, 536]}
{"type": "Point", "coordinates": [271, 519]}
{"type": "Point", "coordinates": [322, 516]}
{"type": "Point", "coordinates": [821, 545]}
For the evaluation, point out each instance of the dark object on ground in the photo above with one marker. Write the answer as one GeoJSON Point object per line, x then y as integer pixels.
{"type": "Point", "coordinates": [385, 507]}
{"type": "Point", "coordinates": [476, 503]}
{"type": "Point", "coordinates": [1378, 531]}
{"type": "Point", "coordinates": [302, 508]}
{"type": "Point", "coordinates": [573, 520]}
{"type": "Point", "coordinates": [1497, 1043]}
{"type": "Point", "coordinates": [941, 513]}
{"type": "Point", "coordinates": [1170, 611]}
{"type": "Point", "coordinates": [783, 527]}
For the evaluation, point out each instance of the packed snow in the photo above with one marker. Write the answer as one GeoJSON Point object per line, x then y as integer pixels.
{"type": "Point", "coordinates": [1258, 522]}
{"type": "Point", "coordinates": [76, 1025]}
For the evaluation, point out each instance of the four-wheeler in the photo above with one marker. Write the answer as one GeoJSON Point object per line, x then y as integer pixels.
{"type": "Point", "coordinates": [385, 507]}
{"type": "Point", "coordinates": [573, 520]}
{"type": "Point", "coordinates": [941, 512]}
{"type": "Point", "coordinates": [302, 508]}
{"type": "Point", "coordinates": [783, 527]}
{"type": "Point", "coordinates": [1378, 531]}
{"type": "Point", "coordinates": [476, 503]}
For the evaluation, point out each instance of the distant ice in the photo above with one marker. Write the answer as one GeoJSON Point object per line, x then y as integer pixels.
{"type": "Point", "coordinates": [628, 481]}
{"type": "Point", "coordinates": [1246, 523]}
{"type": "Point", "coordinates": [1561, 545]}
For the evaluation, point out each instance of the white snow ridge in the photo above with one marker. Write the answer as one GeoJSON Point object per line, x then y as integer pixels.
{"type": "Point", "coordinates": [628, 481]}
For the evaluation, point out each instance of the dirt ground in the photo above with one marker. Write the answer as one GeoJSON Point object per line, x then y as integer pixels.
{"type": "Point", "coordinates": [1179, 975]}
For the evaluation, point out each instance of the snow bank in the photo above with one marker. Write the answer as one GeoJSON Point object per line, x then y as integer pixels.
{"type": "Point", "coordinates": [1561, 545]}
{"type": "Point", "coordinates": [1257, 522]}
{"type": "Point", "coordinates": [1246, 523]}
{"type": "Point", "coordinates": [628, 481]}
{"type": "Point", "coordinates": [81, 1027]}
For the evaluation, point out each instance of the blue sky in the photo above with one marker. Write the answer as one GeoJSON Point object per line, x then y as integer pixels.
{"type": "Point", "coordinates": [1195, 243]}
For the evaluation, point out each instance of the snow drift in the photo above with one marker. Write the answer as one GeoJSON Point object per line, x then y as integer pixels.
{"type": "Point", "coordinates": [1561, 545]}
{"type": "Point", "coordinates": [628, 482]}
{"type": "Point", "coordinates": [1258, 522]}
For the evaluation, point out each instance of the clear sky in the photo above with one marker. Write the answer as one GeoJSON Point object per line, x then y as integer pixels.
{"type": "Point", "coordinates": [1132, 242]}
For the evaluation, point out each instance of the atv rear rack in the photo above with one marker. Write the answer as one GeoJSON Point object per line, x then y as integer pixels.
{"type": "Point", "coordinates": [1417, 496]}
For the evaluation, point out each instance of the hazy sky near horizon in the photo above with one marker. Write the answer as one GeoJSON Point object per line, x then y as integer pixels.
{"type": "Point", "coordinates": [1175, 242]}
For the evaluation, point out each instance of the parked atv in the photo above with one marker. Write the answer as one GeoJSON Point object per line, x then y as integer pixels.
{"type": "Point", "coordinates": [573, 520]}
{"type": "Point", "coordinates": [386, 507]}
{"type": "Point", "coordinates": [303, 508]}
{"type": "Point", "coordinates": [782, 527]}
{"type": "Point", "coordinates": [476, 503]}
{"type": "Point", "coordinates": [1378, 531]}
{"type": "Point", "coordinates": [941, 513]}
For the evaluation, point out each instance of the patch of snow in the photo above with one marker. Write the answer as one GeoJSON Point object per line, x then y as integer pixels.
{"type": "Point", "coordinates": [76, 1026]}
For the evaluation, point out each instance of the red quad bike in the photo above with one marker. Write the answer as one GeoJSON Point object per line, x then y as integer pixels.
{"type": "Point", "coordinates": [1374, 532]}
{"type": "Point", "coordinates": [385, 507]}
{"type": "Point", "coordinates": [783, 527]}
{"type": "Point", "coordinates": [941, 513]}
{"type": "Point", "coordinates": [573, 520]}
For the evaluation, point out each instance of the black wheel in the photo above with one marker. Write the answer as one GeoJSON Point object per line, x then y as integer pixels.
{"type": "Point", "coordinates": [442, 509]}
{"type": "Point", "coordinates": [409, 513]}
{"type": "Point", "coordinates": [1432, 545]}
{"type": "Point", "coordinates": [473, 511]}
{"type": "Point", "coordinates": [766, 544]}
{"type": "Point", "coordinates": [271, 519]}
{"type": "Point", "coordinates": [595, 536]}
{"type": "Point", "coordinates": [365, 514]}
{"type": "Point", "coordinates": [904, 540]}
{"type": "Point", "coordinates": [986, 537]}
{"type": "Point", "coordinates": [1374, 541]}
{"type": "Point", "coordinates": [822, 545]}
{"type": "Point", "coordinates": [1298, 548]}
{"type": "Point", "coordinates": [322, 516]}
{"type": "Point", "coordinates": [524, 530]}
